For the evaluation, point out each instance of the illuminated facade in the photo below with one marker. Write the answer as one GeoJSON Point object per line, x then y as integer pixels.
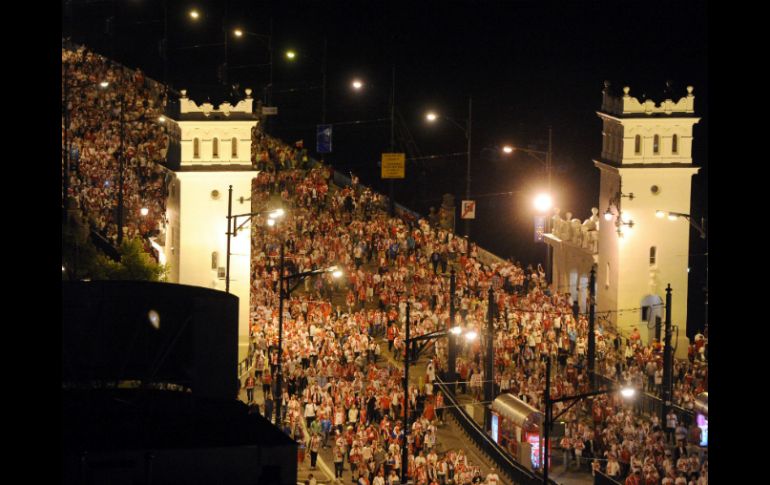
{"type": "Point", "coordinates": [647, 152]}
{"type": "Point", "coordinates": [216, 153]}
{"type": "Point", "coordinates": [646, 165]}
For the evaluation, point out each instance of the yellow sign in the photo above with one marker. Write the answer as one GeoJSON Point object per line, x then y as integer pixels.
{"type": "Point", "coordinates": [393, 165]}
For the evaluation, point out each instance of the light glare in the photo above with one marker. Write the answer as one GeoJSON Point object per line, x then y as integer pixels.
{"type": "Point", "coordinates": [104, 84]}
{"type": "Point", "coordinates": [154, 319]}
{"type": "Point", "coordinates": [543, 202]}
{"type": "Point", "coordinates": [660, 214]}
{"type": "Point", "coordinates": [628, 392]}
{"type": "Point", "coordinates": [238, 32]}
{"type": "Point", "coordinates": [194, 14]}
{"type": "Point", "coordinates": [457, 330]}
{"type": "Point", "coordinates": [290, 54]}
{"type": "Point", "coordinates": [357, 84]}
{"type": "Point", "coordinates": [271, 222]}
{"type": "Point", "coordinates": [431, 116]}
{"type": "Point", "coordinates": [471, 335]}
{"type": "Point", "coordinates": [144, 211]}
{"type": "Point", "coordinates": [508, 149]}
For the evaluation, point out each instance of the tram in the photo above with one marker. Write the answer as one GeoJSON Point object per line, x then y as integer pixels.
{"type": "Point", "coordinates": [516, 427]}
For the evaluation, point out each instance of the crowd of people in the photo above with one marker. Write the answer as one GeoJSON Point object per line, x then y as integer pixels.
{"type": "Point", "coordinates": [110, 112]}
{"type": "Point", "coordinates": [338, 389]}
{"type": "Point", "coordinates": [333, 334]}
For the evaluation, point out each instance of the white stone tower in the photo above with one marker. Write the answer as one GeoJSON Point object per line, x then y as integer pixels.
{"type": "Point", "coordinates": [646, 165]}
{"type": "Point", "coordinates": [215, 153]}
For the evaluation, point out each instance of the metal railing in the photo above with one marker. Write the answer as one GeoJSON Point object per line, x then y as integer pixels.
{"type": "Point", "coordinates": [502, 460]}
{"type": "Point", "coordinates": [601, 478]}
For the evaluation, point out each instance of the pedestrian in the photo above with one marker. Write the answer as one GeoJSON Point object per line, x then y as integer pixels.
{"type": "Point", "coordinates": [314, 446]}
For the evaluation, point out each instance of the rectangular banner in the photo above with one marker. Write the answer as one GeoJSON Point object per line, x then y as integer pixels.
{"type": "Point", "coordinates": [393, 165]}
{"type": "Point", "coordinates": [468, 210]}
{"type": "Point", "coordinates": [323, 139]}
{"type": "Point", "coordinates": [539, 228]}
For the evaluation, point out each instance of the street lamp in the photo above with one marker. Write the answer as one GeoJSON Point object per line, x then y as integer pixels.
{"type": "Point", "coordinates": [194, 14]}
{"type": "Point", "coordinates": [454, 331]}
{"type": "Point", "coordinates": [432, 117]}
{"type": "Point", "coordinates": [290, 54]}
{"type": "Point", "coordinates": [701, 228]}
{"type": "Point", "coordinates": [357, 84]}
{"type": "Point", "coordinates": [626, 391]}
{"type": "Point", "coordinates": [282, 295]}
{"type": "Point", "coordinates": [543, 202]}
{"type": "Point", "coordinates": [233, 227]}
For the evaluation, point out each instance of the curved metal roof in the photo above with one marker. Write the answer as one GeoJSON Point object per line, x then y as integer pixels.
{"type": "Point", "coordinates": [519, 412]}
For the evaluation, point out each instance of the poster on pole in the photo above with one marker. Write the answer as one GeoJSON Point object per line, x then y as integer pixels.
{"type": "Point", "coordinates": [323, 139]}
{"type": "Point", "coordinates": [539, 228]}
{"type": "Point", "coordinates": [468, 209]}
{"type": "Point", "coordinates": [393, 165]}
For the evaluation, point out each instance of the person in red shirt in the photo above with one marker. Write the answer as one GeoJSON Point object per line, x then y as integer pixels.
{"type": "Point", "coordinates": [634, 479]}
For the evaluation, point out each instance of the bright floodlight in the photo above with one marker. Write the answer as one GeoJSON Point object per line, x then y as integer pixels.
{"type": "Point", "coordinates": [104, 84]}
{"type": "Point", "coordinates": [457, 330]}
{"type": "Point", "coordinates": [238, 32]}
{"type": "Point", "coordinates": [357, 84]}
{"type": "Point", "coordinates": [290, 54]}
{"type": "Point", "coordinates": [431, 116]}
{"type": "Point", "coordinates": [144, 211]}
{"type": "Point", "coordinates": [271, 222]}
{"type": "Point", "coordinates": [63, 269]}
{"type": "Point", "coordinates": [471, 335]}
{"type": "Point", "coordinates": [276, 213]}
{"type": "Point", "coordinates": [194, 14]}
{"type": "Point", "coordinates": [608, 215]}
{"type": "Point", "coordinates": [628, 392]}
{"type": "Point", "coordinates": [543, 202]}
{"type": "Point", "coordinates": [508, 149]}
{"type": "Point", "coordinates": [162, 119]}
{"type": "Point", "coordinates": [673, 217]}
{"type": "Point", "coordinates": [337, 273]}
{"type": "Point", "coordinates": [154, 319]}
{"type": "Point", "coordinates": [660, 214]}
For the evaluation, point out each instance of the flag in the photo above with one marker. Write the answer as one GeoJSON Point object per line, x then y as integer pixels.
{"type": "Point", "coordinates": [323, 138]}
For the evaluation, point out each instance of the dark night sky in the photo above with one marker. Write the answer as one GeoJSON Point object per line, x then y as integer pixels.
{"type": "Point", "coordinates": [527, 65]}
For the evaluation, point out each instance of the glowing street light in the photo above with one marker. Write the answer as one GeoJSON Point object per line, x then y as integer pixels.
{"type": "Point", "coordinates": [508, 149]}
{"type": "Point", "coordinates": [471, 335]}
{"type": "Point", "coordinates": [104, 84]}
{"type": "Point", "coordinates": [238, 32]}
{"type": "Point", "coordinates": [628, 392]}
{"type": "Point", "coordinates": [543, 203]}
{"type": "Point", "coordinates": [144, 211]}
{"type": "Point", "coordinates": [194, 14]}
{"type": "Point", "coordinates": [431, 116]}
{"type": "Point", "coordinates": [357, 84]}
{"type": "Point", "coordinates": [290, 54]}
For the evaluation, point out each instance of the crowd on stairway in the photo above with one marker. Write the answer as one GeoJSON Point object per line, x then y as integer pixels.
{"type": "Point", "coordinates": [109, 112]}
{"type": "Point", "coordinates": [334, 333]}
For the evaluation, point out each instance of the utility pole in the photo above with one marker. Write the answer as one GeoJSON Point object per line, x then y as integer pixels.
{"type": "Point", "coordinates": [667, 359]}
{"type": "Point", "coordinates": [323, 92]}
{"type": "Point", "coordinates": [279, 377]}
{"type": "Point", "coordinates": [547, 423]}
{"type": "Point", "coordinates": [489, 362]}
{"type": "Point", "coordinates": [66, 177]}
{"type": "Point", "coordinates": [591, 328]}
{"type": "Point", "coordinates": [120, 168]}
{"type": "Point", "coordinates": [548, 251]}
{"type": "Point", "coordinates": [391, 182]}
{"type": "Point", "coordinates": [229, 234]}
{"type": "Point", "coordinates": [468, 170]}
{"type": "Point", "coordinates": [405, 447]}
{"type": "Point", "coordinates": [452, 352]}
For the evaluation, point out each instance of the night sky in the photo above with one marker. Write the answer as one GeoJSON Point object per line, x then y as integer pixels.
{"type": "Point", "coordinates": [526, 65]}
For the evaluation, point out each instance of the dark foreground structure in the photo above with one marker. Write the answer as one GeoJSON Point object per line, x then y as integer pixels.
{"type": "Point", "coordinates": [149, 390]}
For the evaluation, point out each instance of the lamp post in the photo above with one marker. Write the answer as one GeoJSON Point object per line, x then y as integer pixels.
{"type": "Point", "coordinates": [284, 290]}
{"type": "Point", "coordinates": [701, 228]}
{"type": "Point", "coordinates": [431, 117]}
{"type": "Point", "coordinates": [233, 228]}
{"type": "Point", "coordinates": [547, 162]}
{"type": "Point", "coordinates": [626, 392]}
{"type": "Point", "coordinates": [408, 341]}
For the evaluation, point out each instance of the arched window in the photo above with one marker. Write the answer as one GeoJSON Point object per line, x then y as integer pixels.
{"type": "Point", "coordinates": [215, 148]}
{"type": "Point", "coordinates": [675, 145]}
{"type": "Point", "coordinates": [638, 145]}
{"type": "Point", "coordinates": [196, 148]}
{"type": "Point", "coordinates": [234, 142]}
{"type": "Point", "coordinates": [653, 255]}
{"type": "Point", "coordinates": [656, 145]}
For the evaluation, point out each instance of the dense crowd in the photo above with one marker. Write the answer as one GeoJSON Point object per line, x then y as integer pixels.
{"type": "Point", "coordinates": [352, 403]}
{"type": "Point", "coordinates": [94, 115]}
